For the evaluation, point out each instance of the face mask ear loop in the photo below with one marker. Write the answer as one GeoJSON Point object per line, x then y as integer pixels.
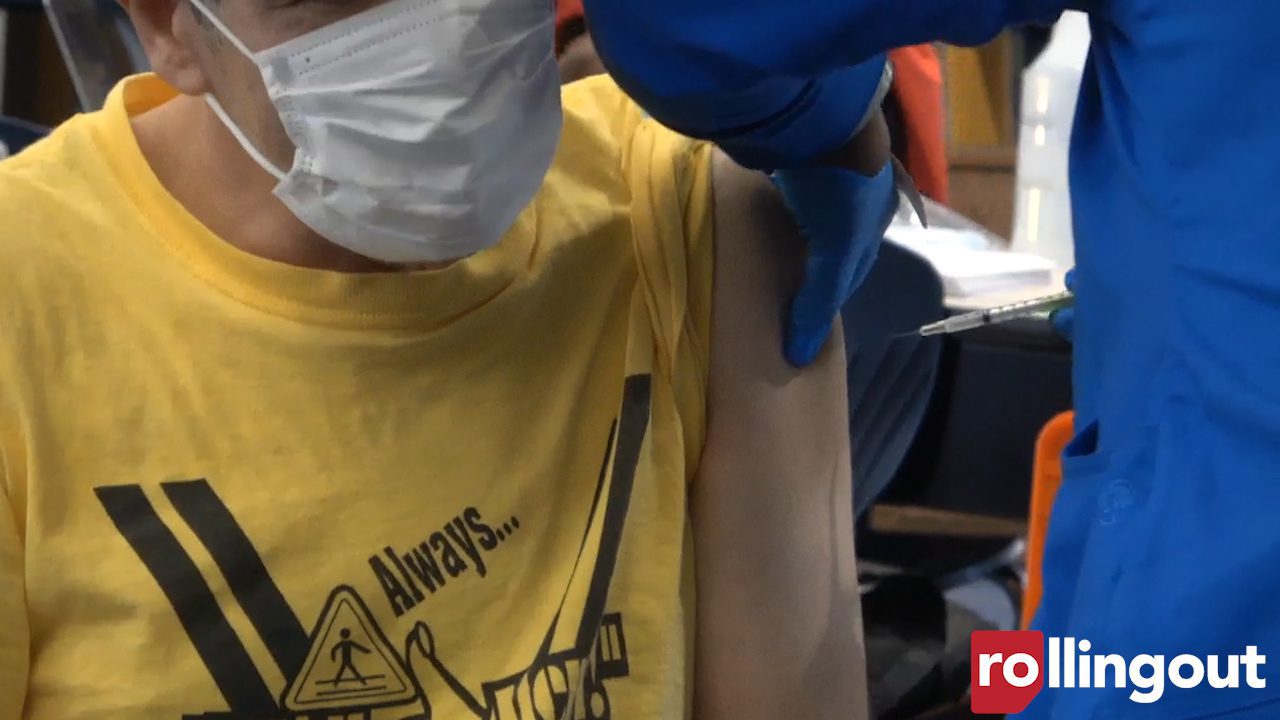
{"type": "Point", "coordinates": [222, 28]}
{"type": "Point", "coordinates": [252, 151]}
{"type": "Point", "coordinates": [216, 106]}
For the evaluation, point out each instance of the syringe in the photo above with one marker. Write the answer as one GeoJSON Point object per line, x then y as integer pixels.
{"type": "Point", "coordinates": [1001, 314]}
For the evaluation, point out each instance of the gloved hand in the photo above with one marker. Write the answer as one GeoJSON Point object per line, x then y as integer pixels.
{"type": "Point", "coordinates": [768, 119]}
{"type": "Point", "coordinates": [843, 216]}
{"type": "Point", "coordinates": [1064, 320]}
{"type": "Point", "coordinates": [714, 82]}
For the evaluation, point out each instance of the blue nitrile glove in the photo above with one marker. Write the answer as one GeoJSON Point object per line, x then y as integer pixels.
{"type": "Point", "coordinates": [843, 216]}
{"type": "Point", "coordinates": [1064, 320]}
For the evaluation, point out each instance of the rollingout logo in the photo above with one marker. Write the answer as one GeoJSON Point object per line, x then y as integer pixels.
{"type": "Point", "coordinates": [1008, 670]}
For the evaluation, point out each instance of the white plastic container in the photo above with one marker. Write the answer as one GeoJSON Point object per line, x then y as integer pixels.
{"type": "Point", "coordinates": [1050, 86]}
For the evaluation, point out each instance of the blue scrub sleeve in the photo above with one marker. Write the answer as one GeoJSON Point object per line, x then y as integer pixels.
{"type": "Point", "coordinates": [776, 83]}
{"type": "Point", "coordinates": [774, 122]}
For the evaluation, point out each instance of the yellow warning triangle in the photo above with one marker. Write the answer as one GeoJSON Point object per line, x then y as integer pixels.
{"type": "Point", "coordinates": [350, 664]}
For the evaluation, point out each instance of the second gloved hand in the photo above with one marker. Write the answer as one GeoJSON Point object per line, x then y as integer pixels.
{"type": "Point", "coordinates": [843, 216]}
{"type": "Point", "coordinates": [1064, 320]}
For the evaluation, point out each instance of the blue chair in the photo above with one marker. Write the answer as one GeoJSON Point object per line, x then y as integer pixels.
{"type": "Point", "coordinates": [891, 371]}
{"type": "Point", "coordinates": [16, 134]}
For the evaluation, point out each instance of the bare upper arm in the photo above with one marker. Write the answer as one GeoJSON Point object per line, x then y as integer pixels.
{"type": "Point", "coordinates": [779, 630]}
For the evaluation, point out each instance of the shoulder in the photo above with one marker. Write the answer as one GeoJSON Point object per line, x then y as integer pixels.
{"type": "Point", "coordinates": [28, 197]}
{"type": "Point", "coordinates": [586, 172]}
{"type": "Point", "coordinates": [616, 165]}
{"type": "Point", "coordinates": [44, 190]}
{"type": "Point", "coordinates": [51, 211]}
{"type": "Point", "coordinates": [29, 205]}
{"type": "Point", "coordinates": [606, 129]}
{"type": "Point", "coordinates": [594, 99]}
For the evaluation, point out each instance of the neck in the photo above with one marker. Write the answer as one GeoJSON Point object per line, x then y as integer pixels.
{"type": "Point", "coordinates": [206, 170]}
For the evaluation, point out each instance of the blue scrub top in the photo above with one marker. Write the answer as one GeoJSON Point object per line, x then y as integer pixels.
{"type": "Point", "coordinates": [1165, 537]}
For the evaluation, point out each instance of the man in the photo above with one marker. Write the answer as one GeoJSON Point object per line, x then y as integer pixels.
{"type": "Point", "coordinates": [1163, 539]}
{"type": "Point", "coordinates": [291, 364]}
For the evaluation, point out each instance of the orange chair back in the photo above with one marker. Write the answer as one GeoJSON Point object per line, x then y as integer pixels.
{"type": "Point", "coordinates": [1045, 481]}
{"type": "Point", "coordinates": [917, 84]}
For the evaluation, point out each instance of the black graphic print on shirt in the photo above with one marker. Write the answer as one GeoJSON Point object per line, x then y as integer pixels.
{"type": "Point", "coordinates": [347, 666]}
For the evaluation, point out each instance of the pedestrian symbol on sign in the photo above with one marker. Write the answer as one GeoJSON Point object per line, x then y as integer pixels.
{"type": "Point", "coordinates": [350, 665]}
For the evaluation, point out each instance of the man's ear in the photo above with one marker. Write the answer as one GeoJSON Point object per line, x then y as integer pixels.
{"type": "Point", "coordinates": [170, 36]}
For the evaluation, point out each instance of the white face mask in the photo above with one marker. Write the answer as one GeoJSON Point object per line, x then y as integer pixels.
{"type": "Point", "coordinates": [422, 127]}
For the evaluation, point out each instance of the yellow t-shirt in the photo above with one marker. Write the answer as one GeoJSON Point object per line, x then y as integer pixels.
{"type": "Point", "coordinates": [231, 488]}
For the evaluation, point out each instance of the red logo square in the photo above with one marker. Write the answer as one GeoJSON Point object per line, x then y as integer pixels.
{"type": "Point", "coordinates": [1006, 670]}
